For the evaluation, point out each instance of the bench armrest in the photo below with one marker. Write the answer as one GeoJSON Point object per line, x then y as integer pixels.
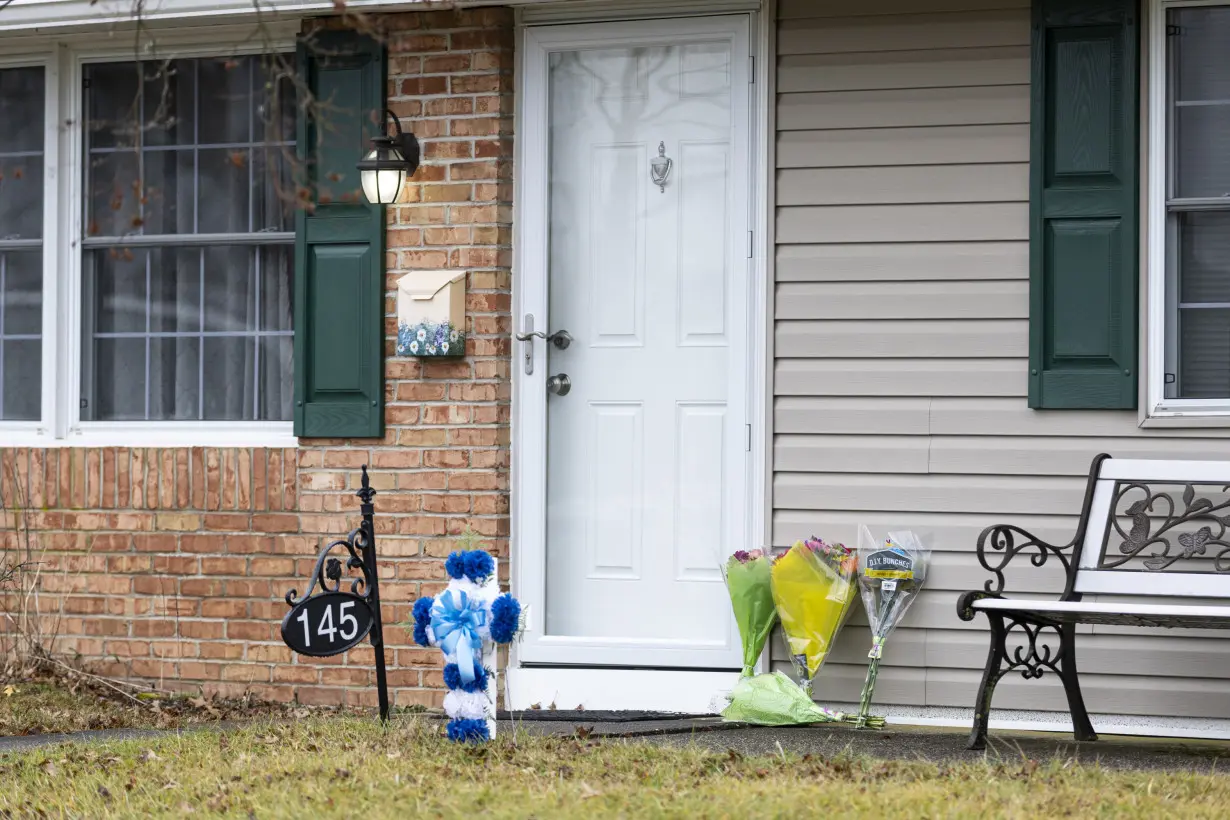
{"type": "Point", "coordinates": [998, 545]}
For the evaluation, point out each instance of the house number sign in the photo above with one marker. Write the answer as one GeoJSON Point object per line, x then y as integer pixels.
{"type": "Point", "coordinates": [326, 624]}
{"type": "Point", "coordinates": [333, 620]}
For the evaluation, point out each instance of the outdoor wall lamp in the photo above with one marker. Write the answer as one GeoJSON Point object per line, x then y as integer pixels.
{"type": "Point", "coordinates": [392, 159]}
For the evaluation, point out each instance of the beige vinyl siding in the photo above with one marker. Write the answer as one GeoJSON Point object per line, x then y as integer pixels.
{"type": "Point", "coordinates": [901, 330]}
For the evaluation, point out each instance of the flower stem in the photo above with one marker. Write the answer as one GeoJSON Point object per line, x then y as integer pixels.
{"type": "Point", "coordinates": [869, 685]}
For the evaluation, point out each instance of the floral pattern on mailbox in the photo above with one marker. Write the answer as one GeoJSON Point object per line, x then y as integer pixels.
{"type": "Point", "coordinates": [431, 308]}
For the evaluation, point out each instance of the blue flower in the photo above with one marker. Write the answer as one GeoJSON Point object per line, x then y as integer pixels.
{"type": "Point", "coordinates": [422, 610]}
{"type": "Point", "coordinates": [452, 679]}
{"type": "Point", "coordinates": [455, 565]}
{"type": "Point", "coordinates": [468, 731]}
{"type": "Point", "coordinates": [505, 618]}
{"type": "Point", "coordinates": [478, 565]}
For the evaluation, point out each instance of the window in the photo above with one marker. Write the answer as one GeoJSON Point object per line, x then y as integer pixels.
{"type": "Point", "coordinates": [186, 281]}
{"type": "Point", "coordinates": [169, 271]}
{"type": "Point", "coordinates": [1190, 225]}
{"type": "Point", "coordinates": [21, 242]}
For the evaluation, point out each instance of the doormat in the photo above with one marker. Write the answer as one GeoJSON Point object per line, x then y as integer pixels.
{"type": "Point", "coordinates": [594, 716]}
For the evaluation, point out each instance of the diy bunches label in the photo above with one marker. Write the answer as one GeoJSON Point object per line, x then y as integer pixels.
{"type": "Point", "coordinates": [889, 563]}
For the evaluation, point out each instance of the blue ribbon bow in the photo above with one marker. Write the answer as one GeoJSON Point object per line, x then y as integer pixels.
{"type": "Point", "coordinates": [455, 624]}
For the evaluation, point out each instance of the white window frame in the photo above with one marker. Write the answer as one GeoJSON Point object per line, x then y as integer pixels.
{"type": "Point", "coordinates": [64, 60]}
{"type": "Point", "coordinates": [1159, 410]}
{"type": "Point", "coordinates": [19, 433]}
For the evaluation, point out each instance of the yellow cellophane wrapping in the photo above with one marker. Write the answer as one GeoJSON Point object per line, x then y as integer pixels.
{"type": "Point", "coordinates": [813, 601]}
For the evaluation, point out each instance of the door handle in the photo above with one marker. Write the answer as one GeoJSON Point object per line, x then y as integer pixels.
{"type": "Point", "coordinates": [559, 385]}
{"type": "Point", "coordinates": [560, 338]}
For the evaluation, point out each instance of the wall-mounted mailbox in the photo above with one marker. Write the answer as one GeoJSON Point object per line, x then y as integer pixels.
{"type": "Point", "coordinates": [431, 313]}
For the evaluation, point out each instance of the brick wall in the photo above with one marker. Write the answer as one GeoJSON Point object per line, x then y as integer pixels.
{"type": "Point", "coordinates": [171, 564]}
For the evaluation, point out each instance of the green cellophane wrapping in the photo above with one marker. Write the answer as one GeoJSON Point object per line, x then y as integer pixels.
{"type": "Point", "coordinates": [773, 699]}
{"type": "Point", "coordinates": [751, 598]}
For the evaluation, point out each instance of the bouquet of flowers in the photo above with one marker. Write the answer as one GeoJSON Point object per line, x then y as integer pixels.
{"type": "Point", "coordinates": [814, 588]}
{"type": "Point", "coordinates": [753, 580]}
{"type": "Point", "coordinates": [751, 597]}
{"type": "Point", "coordinates": [890, 576]}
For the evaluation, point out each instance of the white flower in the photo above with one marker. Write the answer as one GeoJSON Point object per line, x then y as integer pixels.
{"type": "Point", "coordinates": [422, 335]}
{"type": "Point", "coordinates": [431, 351]}
{"type": "Point", "coordinates": [414, 347]}
{"type": "Point", "coordinates": [466, 705]}
{"type": "Point", "coordinates": [452, 337]}
{"type": "Point", "coordinates": [444, 347]}
{"type": "Point", "coordinates": [401, 348]}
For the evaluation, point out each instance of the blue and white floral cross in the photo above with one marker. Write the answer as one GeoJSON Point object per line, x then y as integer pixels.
{"type": "Point", "coordinates": [465, 621]}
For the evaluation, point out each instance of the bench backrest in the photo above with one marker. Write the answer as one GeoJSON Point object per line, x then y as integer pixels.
{"type": "Point", "coordinates": [1158, 528]}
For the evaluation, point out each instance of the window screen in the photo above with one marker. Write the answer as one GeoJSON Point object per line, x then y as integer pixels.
{"type": "Point", "coordinates": [1198, 204]}
{"type": "Point", "coordinates": [188, 270]}
{"type": "Point", "coordinates": [21, 242]}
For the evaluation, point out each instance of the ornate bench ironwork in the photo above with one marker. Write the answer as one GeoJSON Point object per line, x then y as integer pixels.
{"type": "Point", "coordinates": [1146, 529]}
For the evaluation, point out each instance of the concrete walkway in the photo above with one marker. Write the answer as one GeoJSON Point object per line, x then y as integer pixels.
{"type": "Point", "coordinates": [892, 743]}
{"type": "Point", "coordinates": [21, 743]}
{"type": "Point", "coordinates": [909, 743]}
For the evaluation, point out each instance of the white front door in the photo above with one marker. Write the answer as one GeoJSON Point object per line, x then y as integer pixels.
{"type": "Point", "coordinates": [633, 481]}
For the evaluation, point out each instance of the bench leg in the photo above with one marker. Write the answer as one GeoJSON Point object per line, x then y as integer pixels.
{"type": "Point", "coordinates": [1082, 729]}
{"type": "Point", "coordinates": [990, 676]}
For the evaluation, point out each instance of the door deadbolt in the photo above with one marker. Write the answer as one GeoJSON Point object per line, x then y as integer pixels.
{"type": "Point", "coordinates": [559, 385]}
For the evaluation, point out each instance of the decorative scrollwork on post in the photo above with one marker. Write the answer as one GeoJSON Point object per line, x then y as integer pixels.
{"type": "Point", "coordinates": [1154, 517]}
{"type": "Point", "coordinates": [998, 545]}
{"type": "Point", "coordinates": [328, 620]}
{"type": "Point", "coordinates": [327, 574]}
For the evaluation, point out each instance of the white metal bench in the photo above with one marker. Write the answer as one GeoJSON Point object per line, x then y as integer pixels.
{"type": "Point", "coordinates": [1147, 529]}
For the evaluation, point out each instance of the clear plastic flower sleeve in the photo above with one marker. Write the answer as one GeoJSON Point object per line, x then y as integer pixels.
{"type": "Point", "coordinates": [891, 574]}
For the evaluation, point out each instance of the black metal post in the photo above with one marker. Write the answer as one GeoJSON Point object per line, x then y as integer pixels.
{"type": "Point", "coordinates": [366, 494]}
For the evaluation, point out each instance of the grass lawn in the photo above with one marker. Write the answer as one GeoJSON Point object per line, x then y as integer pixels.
{"type": "Point", "coordinates": [347, 767]}
{"type": "Point", "coordinates": [70, 702]}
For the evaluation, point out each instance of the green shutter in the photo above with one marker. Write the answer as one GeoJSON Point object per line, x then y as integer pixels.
{"type": "Point", "coordinates": [1083, 205]}
{"type": "Point", "coordinates": [339, 242]}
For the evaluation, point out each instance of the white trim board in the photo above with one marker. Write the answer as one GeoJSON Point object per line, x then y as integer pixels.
{"type": "Point", "coordinates": [617, 689]}
{"type": "Point", "coordinates": [24, 15]}
{"type": "Point", "coordinates": [575, 11]}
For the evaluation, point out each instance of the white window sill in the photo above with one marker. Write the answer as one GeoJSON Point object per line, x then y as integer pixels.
{"type": "Point", "coordinates": [156, 434]}
{"type": "Point", "coordinates": [1190, 416]}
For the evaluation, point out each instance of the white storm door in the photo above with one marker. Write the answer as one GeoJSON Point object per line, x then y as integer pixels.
{"type": "Point", "coordinates": [636, 486]}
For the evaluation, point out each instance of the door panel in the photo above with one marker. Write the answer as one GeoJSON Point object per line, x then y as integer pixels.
{"type": "Point", "coordinates": [645, 467]}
